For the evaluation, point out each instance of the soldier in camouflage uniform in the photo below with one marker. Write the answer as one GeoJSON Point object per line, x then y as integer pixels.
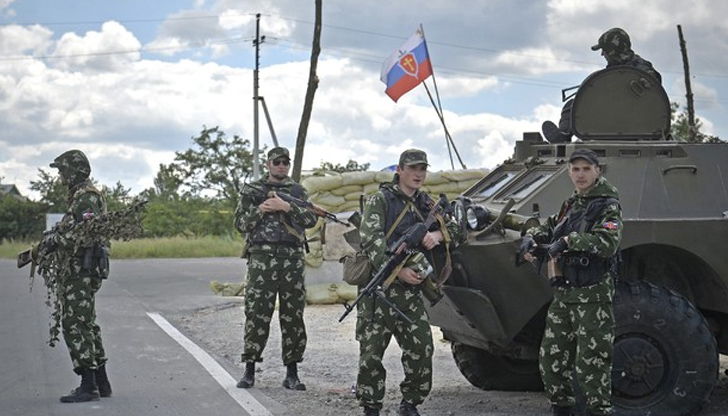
{"type": "Point", "coordinates": [584, 239]}
{"type": "Point", "coordinates": [77, 296]}
{"type": "Point", "coordinates": [616, 48]}
{"type": "Point", "coordinates": [275, 254]}
{"type": "Point", "coordinates": [376, 321]}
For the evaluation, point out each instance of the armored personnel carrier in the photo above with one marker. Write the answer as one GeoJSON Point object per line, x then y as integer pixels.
{"type": "Point", "coordinates": [671, 302]}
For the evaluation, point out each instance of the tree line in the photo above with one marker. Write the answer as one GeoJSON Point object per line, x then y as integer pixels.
{"type": "Point", "coordinates": [193, 196]}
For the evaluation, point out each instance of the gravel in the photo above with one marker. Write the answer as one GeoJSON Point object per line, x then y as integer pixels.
{"type": "Point", "coordinates": [330, 367]}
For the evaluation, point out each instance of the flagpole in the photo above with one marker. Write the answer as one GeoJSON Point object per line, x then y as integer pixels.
{"type": "Point", "coordinates": [438, 110]}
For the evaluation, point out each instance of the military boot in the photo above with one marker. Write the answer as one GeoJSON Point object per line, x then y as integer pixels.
{"type": "Point", "coordinates": [248, 379]}
{"type": "Point", "coordinates": [86, 392]}
{"type": "Point", "coordinates": [102, 380]}
{"type": "Point", "coordinates": [371, 411]}
{"type": "Point", "coordinates": [291, 381]}
{"type": "Point", "coordinates": [562, 410]}
{"type": "Point", "coordinates": [554, 134]}
{"type": "Point", "coordinates": [407, 409]}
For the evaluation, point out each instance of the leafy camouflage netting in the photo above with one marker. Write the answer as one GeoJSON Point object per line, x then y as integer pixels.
{"type": "Point", "coordinates": [55, 266]}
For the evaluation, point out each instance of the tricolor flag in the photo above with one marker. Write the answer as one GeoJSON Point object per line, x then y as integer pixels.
{"type": "Point", "coordinates": [408, 67]}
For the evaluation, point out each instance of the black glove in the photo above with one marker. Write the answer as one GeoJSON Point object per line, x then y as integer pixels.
{"type": "Point", "coordinates": [557, 247]}
{"type": "Point", "coordinates": [49, 244]}
{"type": "Point", "coordinates": [527, 245]}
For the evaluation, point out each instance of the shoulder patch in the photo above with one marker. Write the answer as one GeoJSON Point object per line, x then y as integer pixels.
{"type": "Point", "coordinates": [611, 225]}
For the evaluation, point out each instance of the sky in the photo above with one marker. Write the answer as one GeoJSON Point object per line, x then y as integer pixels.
{"type": "Point", "coordinates": [132, 82]}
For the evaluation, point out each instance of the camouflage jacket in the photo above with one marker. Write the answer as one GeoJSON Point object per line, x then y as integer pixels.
{"type": "Point", "coordinates": [373, 232]}
{"type": "Point", "coordinates": [276, 227]}
{"type": "Point", "coordinates": [630, 58]}
{"type": "Point", "coordinates": [85, 202]}
{"type": "Point", "coordinates": [603, 237]}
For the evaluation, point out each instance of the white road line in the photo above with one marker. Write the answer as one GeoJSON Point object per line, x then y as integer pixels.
{"type": "Point", "coordinates": [242, 396]}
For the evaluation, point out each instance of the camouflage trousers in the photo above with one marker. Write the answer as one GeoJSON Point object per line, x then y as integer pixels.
{"type": "Point", "coordinates": [271, 276]}
{"type": "Point", "coordinates": [80, 331]}
{"type": "Point", "coordinates": [578, 344]}
{"type": "Point", "coordinates": [376, 322]}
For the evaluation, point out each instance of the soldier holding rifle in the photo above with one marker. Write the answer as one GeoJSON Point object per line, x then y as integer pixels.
{"type": "Point", "coordinates": [397, 206]}
{"type": "Point", "coordinates": [274, 230]}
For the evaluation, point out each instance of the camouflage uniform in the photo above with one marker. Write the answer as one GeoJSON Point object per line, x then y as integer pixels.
{"type": "Point", "coordinates": [78, 317]}
{"type": "Point", "coordinates": [275, 267]}
{"type": "Point", "coordinates": [377, 322]}
{"type": "Point", "coordinates": [579, 335]}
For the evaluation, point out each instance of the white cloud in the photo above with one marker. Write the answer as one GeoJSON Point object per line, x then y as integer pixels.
{"type": "Point", "coordinates": [108, 50]}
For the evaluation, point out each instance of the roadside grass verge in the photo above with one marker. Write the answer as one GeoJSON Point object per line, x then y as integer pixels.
{"type": "Point", "coordinates": [148, 248]}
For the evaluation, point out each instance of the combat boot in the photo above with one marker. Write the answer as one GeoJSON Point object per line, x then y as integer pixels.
{"type": "Point", "coordinates": [553, 134]}
{"type": "Point", "coordinates": [248, 379]}
{"type": "Point", "coordinates": [102, 381]}
{"type": "Point", "coordinates": [371, 411]}
{"type": "Point", "coordinates": [408, 409]}
{"type": "Point", "coordinates": [86, 392]}
{"type": "Point", "coordinates": [562, 410]}
{"type": "Point", "coordinates": [291, 381]}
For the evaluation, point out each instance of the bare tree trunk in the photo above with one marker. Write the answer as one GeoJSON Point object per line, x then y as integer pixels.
{"type": "Point", "coordinates": [688, 89]}
{"type": "Point", "coordinates": [310, 92]}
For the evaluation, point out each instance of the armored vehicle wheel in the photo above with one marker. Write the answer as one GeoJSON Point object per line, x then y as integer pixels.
{"type": "Point", "coordinates": [492, 372]}
{"type": "Point", "coordinates": [665, 358]}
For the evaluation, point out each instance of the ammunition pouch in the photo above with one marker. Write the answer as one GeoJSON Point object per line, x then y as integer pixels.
{"type": "Point", "coordinates": [581, 270]}
{"type": "Point", "coordinates": [357, 268]}
{"type": "Point", "coordinates": [95, 260]}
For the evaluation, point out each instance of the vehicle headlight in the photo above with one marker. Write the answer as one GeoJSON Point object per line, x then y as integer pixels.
{"type": "Point", "coordinates": [477, 217]}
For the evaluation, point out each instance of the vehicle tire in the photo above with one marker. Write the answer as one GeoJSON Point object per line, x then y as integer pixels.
{"type": "Point", "coordinates": [492, 372]}
{"type": "Point", "coordinates": [665, 357]}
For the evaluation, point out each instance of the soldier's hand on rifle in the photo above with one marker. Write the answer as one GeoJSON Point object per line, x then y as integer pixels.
{"type": "Point", "coordinates": [274, 204]}
{"type": "Point", "coordinates": [558, 246]}
{"type": "Point", "coordinates": [410, 276]}
{"type": "Point", "coordinates": [528, 246]}
{"type": "Point", "coordinates": [432, 239]}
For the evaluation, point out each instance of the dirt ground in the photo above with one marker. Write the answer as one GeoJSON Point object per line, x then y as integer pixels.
{"type": "Point", "coordinates": [330, 368]}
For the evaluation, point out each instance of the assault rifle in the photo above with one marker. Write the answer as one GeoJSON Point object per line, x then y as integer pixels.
{"type": "Point", "coordinates": [301, 203]}
{"type": "Point", "coordinates": [400, 252]}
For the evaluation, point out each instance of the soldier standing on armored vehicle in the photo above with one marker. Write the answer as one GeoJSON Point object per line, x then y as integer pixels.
{"type": "Point", "coordinates": [77, 295]}
{"type": "Point", "coordinates": [583, 239]}
{"type": "Point", "coordinates": [397, 206]}
{"type": "Point", "coordinates": [274, 248]}
{"type": "Point", "coordinates": [616, 48]}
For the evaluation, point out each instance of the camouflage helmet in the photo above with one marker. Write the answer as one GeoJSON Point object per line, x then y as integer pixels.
{"type": "Point", "coordinates": [74, 165]}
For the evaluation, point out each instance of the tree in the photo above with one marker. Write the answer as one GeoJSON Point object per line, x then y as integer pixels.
{"type": "Point", "coordinates": [351, 166]}
{"type": "Point", "coordinates": [217, 164]}
{"type": "Point", "coordinates": [21, 220]}
{"type": "Point", "coordinates": [53, 193]}
{"type": "Point", "coordinates": [117, 198]}
{"type": "Point", "coordinates": [680, 128]}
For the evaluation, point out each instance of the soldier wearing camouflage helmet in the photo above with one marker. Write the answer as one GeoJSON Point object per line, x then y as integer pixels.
{"type": "Point", "coordinates": [275, 239]}
{"type": "Point", "coordinates": [87, 270]}
{"type": "Point", "coordinates": [583, 238]}
{"type": "Point", "coordinates": [387, 215]}
{"type": "Point", "coordinates": [616, 48]}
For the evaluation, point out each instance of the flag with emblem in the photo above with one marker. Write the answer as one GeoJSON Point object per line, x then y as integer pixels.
{"type": "Point", "coordinates": [407, 67]}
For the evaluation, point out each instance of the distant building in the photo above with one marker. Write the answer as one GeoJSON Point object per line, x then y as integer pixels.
{"type": "Point", "coordinates": [12, 190]}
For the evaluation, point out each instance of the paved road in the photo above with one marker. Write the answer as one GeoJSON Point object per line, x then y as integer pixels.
{"type": "Point", "coordinates": [151, 373]}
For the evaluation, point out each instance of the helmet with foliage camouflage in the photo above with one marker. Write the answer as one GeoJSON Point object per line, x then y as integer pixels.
{"type": "Point", "coordinates": [73, 165]}
{"type": "Point", "coordinates": [615, 44]}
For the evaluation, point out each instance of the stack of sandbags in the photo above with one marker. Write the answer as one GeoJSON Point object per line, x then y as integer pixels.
{"type": "Point", "coordinates": [341, 192]}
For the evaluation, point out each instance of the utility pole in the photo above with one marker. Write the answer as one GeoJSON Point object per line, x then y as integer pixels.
{"type": "Point", "coordinates": [688, 89]}
{"type": "Point", "coordinates": [256, 144]}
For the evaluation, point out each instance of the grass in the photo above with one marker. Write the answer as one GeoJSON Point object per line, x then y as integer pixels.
{"type": "Point", "coordinates": [146, 248]}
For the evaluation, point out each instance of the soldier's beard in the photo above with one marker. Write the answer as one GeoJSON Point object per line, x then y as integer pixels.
{"type": "Point", "coordinates": [279, 176]}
